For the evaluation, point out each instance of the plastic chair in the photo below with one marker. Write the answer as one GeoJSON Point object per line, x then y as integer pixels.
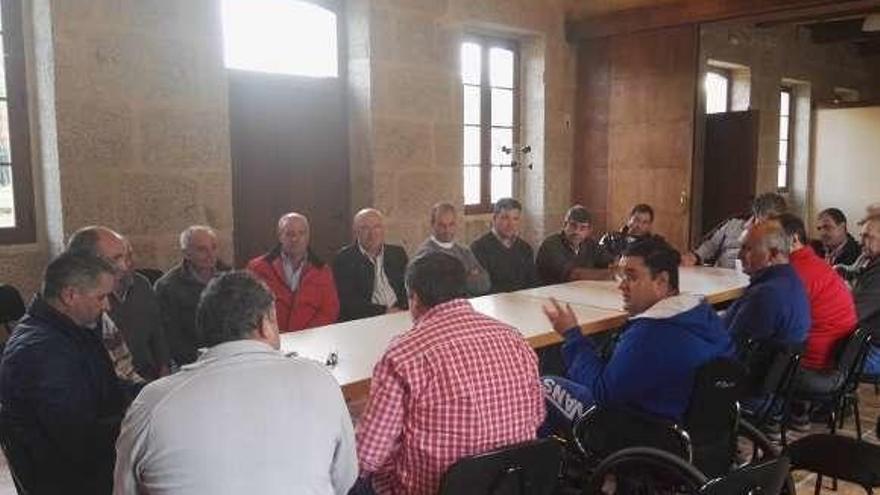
{"type": "Point", "coordinates": [839, 457]}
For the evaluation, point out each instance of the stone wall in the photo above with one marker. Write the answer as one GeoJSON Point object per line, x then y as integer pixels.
{"type": "Point", "coordinates": [132, 130]}
{"type": "Point", "coordinates": [785, 53]}
{"type": "Point", "coordinates": [406, 138]}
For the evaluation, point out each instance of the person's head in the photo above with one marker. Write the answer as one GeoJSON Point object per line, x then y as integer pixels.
{"type": "Point", "coordinates": [872, 209]}
{"type": "Point", "coordinates": [433, 279]}
{"type": "Point", "coordinates": [870, 236]}
{"type": "Point", "coordinates": [78, 285]}
{"type": "Point", "coordinates": [768, 205]}
{"type": "Point", "coordinates": [641, 220]}
{"type": "Point", "coordinates": [648, 273]}
{"type": "Point", "coordinates": [443, 220]}
{"type": "Point", "coordinates": [765, 244]}
{"type": "Point", "coordinates": [293, 235]}
{"type": "Point", "coordinates": [105, 243]}
{"type": "Point", "coordinates": [505, 218]}
{"type": "Point", "coordinates": [237, 306]}
{"type": "Point", "coordinates": [369, 230]}
{"type": "Point", "coordinates": [577, 226]}
{"type": "Point", "coordinates": [794, 229]}
{"type": "Point", "coordinates": [831, 226]}
{"type": "Point", "coordinates": [198, 244]}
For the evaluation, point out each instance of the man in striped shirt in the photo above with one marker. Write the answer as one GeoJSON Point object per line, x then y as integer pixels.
{"type": "Point", "coordinates": [457, 384]}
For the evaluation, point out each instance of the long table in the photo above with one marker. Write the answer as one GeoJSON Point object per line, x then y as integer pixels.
{"type": "Point", "coordinates": [598, 305]}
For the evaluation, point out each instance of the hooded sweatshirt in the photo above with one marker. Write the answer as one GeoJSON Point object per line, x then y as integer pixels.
{"type": "Point", "coordinates": [654, 364]}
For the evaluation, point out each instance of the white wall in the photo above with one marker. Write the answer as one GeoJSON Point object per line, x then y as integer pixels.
{"type": "Point", "coordinates": [846, 161]}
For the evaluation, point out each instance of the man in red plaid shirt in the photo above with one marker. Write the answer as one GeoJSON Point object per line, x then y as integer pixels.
{"type": "Point", "coordinates": [458, 383]}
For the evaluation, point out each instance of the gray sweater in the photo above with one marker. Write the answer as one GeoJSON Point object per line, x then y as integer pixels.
{"type": "Point", "coordinates": [478, 282]}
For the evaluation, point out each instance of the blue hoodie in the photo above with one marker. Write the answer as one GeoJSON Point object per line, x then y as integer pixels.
{"type": "Point", "coordinates": [654, 364]}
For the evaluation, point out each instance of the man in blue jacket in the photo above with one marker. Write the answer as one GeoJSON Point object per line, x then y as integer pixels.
{"type": "Point", "coordinates": [668, 337]}
{"type": "Point", "coordinates": [61, 401]}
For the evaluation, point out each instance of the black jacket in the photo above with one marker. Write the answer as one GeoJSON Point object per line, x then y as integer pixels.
{"type": "Point", "coordinates": [61, 404]}
{"type": "Point", "coordinates": [355, 276]}
{"type": "Point", "coordinates": [509, 269]}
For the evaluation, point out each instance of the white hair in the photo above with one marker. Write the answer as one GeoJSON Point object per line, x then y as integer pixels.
{"type": "Point", "coordinates": [186, 235]}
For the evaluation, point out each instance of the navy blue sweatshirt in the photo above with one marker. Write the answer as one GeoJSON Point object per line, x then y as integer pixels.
{"type": "Point", "coordinates": [654, 364]}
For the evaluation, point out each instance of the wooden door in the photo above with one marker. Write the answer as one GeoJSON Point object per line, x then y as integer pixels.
{"type": "Point", "coordinates": [289, 144]}
{"type": "Point", "coordinates": [730, 161]}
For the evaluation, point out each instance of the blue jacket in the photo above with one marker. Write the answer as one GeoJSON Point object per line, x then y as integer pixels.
{"type": "Point", "coordinates": [773, 308]}
{"type": "Point", "coordinates": [61, 402]}
{"type": "Point", "coordinates": [653, 366]}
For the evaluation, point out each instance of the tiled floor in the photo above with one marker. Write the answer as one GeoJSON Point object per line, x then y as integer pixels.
{"type": "Point", "coordinates": [870, 408]}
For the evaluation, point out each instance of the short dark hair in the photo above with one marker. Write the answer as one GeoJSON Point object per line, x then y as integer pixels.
{"type": "Point", "coordinates": [659, 257]}
{"type": "Point", "coordinates": [440, 208]}
{"type": "Point", "coordinates": [769, 204]}
{"type": "Point", "coordinates": [834, 214]}
{"type": "Point", "coordinates": [78, 270]}
{"type": "Point", "coordinates": [84, 241]}
{"type": "Point", "coordinates": [231, 307]}
{"type": "Point", "coordinates": [643, 208]}
{"type": "Point", "coordinates": [436, 278]}
{"type": "Point", "coordinates": [793, 226]}
{"type": "Point", "coordinates": [506, 204]}
{"type": "Point", "coordinates": [579, 214]}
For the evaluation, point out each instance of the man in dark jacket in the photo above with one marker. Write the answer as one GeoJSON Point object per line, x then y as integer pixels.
{"type": "Point", "coordinates": [572, 254]}
{"type": "Point", "coordinates": [866, 288]}
{"type": "Point", "coordinates": [369, 273]}
{"type": "Point", "coordinates": [61, 400]}
{"type": "Point", "coordinates": [835, 244]}
{"type": "Point", "coordinates": [180, 288]}
{"type": "Point", "coordinates": [509, 260]}
{"type": "Point", "coordinates": [668, 337]}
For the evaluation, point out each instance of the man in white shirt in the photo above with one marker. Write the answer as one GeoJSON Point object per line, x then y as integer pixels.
{"type": "Point", "coordinates": [243, 418]}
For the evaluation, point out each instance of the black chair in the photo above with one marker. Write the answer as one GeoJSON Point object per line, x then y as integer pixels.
{"type": "Point", "coordinates": [851, 359]}
{"type": "Point", "coordinates": [646, 470]}
{"type": "Point", "coordinates": [11, 307]}
{"type": "Point", "coordinates": [151, 274]}
{"type": "Point", "coordinates": [602, 431]}
{"type": "Point", "coordinates": [839, 457]}
{"type": "Point", "coordinates": [529, 468]}
{"type": "Point", "coordinates": [772, 368]}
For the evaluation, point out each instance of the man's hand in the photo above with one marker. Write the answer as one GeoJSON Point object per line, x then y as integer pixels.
{"type": "Point", "coordinates": [689, 259]}
{"type": "Point", "coordinates": [393, 309]}
{"type": "Point", "coordinates": [561, 318]}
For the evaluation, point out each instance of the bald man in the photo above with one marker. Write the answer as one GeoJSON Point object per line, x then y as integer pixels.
{"type": "Point", "coordinates": [305, 294]}
{"type": "Point", "coordinates": [774, 307]}
{"type": "Point", "coordinates": [369, 273]}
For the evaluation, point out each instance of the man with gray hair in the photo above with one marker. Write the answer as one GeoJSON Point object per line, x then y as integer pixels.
{"type": "Point", "coordinates": [443, 226]}
{"type": "Point", "coordinates": [243, 418]}
{"type": "Point", "coordinates": [721, 246]}
{"type": "Point", "coordinates": [179, 290]}
{"type": "Point", "coordinates": [775, 306]}
{"type": "Point", "coordinates": [132, 328]}
{"type": "Point", "coordinates": [60, 400]}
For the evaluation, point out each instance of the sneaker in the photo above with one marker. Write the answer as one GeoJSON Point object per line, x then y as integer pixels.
{"type": "Point", "coordinates": [772, 431]}
{"type": "Point", "coordinates": [800, 424]}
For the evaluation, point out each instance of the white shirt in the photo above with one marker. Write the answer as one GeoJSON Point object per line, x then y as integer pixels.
{"type": "Point", "coordinates": [383, 293]}
{"type": "Point", "coordinates": [243, 419]}
{"type": "Point", "coordinates": [292, 274]}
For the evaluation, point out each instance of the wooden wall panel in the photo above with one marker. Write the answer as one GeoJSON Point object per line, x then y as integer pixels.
{"type": "Point", "coordinates": [642, 150]}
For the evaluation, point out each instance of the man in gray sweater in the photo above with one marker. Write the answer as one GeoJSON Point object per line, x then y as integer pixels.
{"type": "Point", "coordinates": [443, 223]}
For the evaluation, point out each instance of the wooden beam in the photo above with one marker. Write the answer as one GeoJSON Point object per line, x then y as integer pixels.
{"type": "Point", "coordinates": [839, 31]}
{"type": "Point", "coordinates": [870, 48]}
{"type": "Point", "coordinates": [700, 11]}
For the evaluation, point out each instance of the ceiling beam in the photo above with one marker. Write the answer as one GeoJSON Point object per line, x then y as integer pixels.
{"type": "Point", "coordinates": [838, 31]}
{"type": "Point", "coordinates": [700, 11]}
{"type": "Point", "coordinates": [869, 48]}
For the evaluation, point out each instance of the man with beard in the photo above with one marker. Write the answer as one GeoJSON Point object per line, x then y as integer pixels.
{"type": "Point", "coordinates": [572, 254]}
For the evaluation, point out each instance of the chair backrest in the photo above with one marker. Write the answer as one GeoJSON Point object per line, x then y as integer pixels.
{"type": "Point", "coordinates": [528, 468]}
{"type": "Point", "coordinates": [771, 367]}
{"type": "Point", "coordinates": [602, 431]}
{"type": "Point", "coordinates": [837, 456]}
{"type": "Point", "coordinates": [764, 478]}
{"type": "Point", "coordinates": [11, 305]}
{"type": "Point", "coordinates": [713, 413]}
{"type": "Point", "coordinates": [851, 358]}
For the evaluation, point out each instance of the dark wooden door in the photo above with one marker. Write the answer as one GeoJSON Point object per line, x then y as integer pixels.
{"type": "Point", "coordinates": [289, 144]}
{"type": "Point", "coordinates": [730, 161]}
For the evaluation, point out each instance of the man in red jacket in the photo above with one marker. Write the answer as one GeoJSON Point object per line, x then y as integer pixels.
{"type": "Point", "coordinates": [832, 312]}
{"type": "Point", "coordinates": [305, 295]}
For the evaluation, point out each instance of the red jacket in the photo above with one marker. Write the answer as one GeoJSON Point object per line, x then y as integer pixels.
{"type": "Point", "coordinates": [831, 308]}
{"type": "Point", "coordinates": [313, 304]}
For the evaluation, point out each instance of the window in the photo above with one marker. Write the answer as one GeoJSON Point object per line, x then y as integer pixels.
{"type": "Point", "coordinates": [281, 37]}
{"type": "Point", "coordinates": [16, 188]}
{"type": "Point", "coordinates": [786, 132]}
{"type": "Point", "coordinates": [489, 88]}
{"type": "Point", "coordinates": [717, 86]}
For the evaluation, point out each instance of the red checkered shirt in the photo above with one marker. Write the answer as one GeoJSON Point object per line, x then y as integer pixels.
{"type": "Point", "coordinates": [458, 383]}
